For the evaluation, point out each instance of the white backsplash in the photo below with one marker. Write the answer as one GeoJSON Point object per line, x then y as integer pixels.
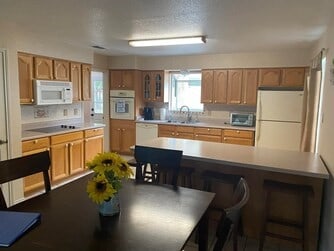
{"type": "Point", "coordinates": [36, 114]}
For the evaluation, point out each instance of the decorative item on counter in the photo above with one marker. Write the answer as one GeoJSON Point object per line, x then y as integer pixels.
{"type": "Point", "coordinates": [109, 170]}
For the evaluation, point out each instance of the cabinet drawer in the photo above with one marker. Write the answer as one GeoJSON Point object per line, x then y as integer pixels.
{"type": "Point", "coordinates": [30, 145]}
{"type": "Point", "coordinates": [165, 128]}
{"type": "Point", "coordinates": [206, 137]}
{"type": "Point", "coordinates": [208, 131]}
{"type": "Point", "coordinates": [187, 129]}
{"type": "Point", "coordinates": [93, 132]}
{"type": "Point", "coordinates": [239, 134]}
{"type": "Point", "coordinates": [66, 137]}
{"type": "Point", "coordinates": [238, 141]}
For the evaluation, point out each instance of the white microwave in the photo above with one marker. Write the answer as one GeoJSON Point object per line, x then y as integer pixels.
{"type": "Point", "coordinates": [50, 92]}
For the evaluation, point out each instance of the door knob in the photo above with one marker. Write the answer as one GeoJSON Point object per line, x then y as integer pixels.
{"type": "Point", "coordinates": [3, 142]}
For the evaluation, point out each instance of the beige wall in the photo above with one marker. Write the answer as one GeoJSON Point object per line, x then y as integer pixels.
{"type": "Point", "coordinates": [263, 59]}
{"type": "Point", "coordinates": [13, 39]}
{"type": "Point", "coordinates": [326, 141]}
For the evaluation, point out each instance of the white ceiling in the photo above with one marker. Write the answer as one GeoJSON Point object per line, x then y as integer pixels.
{"type": "Point", "coordinates": [230, 25]}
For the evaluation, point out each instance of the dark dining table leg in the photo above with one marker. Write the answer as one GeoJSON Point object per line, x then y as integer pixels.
{"type": "Point", "coordinates": [203, 232]}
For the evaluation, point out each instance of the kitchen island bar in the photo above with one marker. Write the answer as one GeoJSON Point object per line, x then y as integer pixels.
{"type": "Point", "coordinates": [257, 164]}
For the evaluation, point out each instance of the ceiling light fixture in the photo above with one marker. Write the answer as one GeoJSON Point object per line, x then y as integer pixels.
{"type": "Point", "coordinates": [168, 41]}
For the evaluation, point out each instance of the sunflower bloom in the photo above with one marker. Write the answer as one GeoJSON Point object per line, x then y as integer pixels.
{"type": "Point", "coordinates": [99, 189]}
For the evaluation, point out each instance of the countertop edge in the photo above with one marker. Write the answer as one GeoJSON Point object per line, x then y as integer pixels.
{"type": "Point", "coordinates": [29, 135]}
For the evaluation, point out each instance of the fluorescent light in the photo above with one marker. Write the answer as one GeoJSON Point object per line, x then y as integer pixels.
{"type": "Point", "coordinates": [168, 41]}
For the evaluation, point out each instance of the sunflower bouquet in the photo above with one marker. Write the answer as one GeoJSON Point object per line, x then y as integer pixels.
{"type": "Point", "coordinates": [109, 170]}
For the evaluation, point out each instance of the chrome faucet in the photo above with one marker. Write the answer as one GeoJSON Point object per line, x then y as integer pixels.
{"type": "Point", "coordinates": [188, 113]}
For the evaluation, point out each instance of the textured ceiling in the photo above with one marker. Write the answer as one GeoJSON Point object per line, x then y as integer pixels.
{"type": "Point", "coordinates": [230, 25]}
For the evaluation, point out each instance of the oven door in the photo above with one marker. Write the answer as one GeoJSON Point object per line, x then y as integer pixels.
{"type": "Point", "coordinates": [122, 108]}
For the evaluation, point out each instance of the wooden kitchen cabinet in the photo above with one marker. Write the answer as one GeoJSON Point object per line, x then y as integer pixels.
{"type": "Point", "coordinates": [153, 86]}
{"type": "Point", "coordinates": [294, 76]}
{"type": "Point", "coordinates": [67, 155]}
{"type": "Point", "coordinates": [75, 78]}
{"type": "Point", "coordinates": [94, 143]}
{"type": "Point", "coordinates": [234, 86]}
{"type": "Point", "coordinates": [122, 79]}
{"type": "Point", "coordinates": [176, 131]}
{"type": "Point", "coordinates": [86, 90]}
{"type": "Point", "coordinates": [36, 181]}
{"type": "Point", "coordinates": [249, 86]}
{"type": "Point", "coordinates": [122, 135]}
{"type": "Point", "coordinates": [208, 134]}
{"type": "Point", "coordinates": [25, 65]}
{"type": "Point", "coordinates": [214, 86]}
{"type": "Point", "coordinates": [43, 68]}
{"type": "Point", "coordinates": [61, 70]}
{"type": "Point", "coordinates": [239, 137]}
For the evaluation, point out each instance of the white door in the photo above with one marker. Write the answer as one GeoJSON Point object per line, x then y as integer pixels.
{"type": "Point", "coordinates": [3, 120]}
{"type": "Point", "coordinates": [278, 135]}
{"type": "Point", "coordinates": [100, 104]}
{"type": "Point", "coordinates": [280, 105]}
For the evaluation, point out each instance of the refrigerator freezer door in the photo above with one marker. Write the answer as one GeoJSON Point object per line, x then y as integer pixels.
{"type": "Point", "coordinates": [280, 106]}
{"type": "Point", "coordinates": [278, 135]}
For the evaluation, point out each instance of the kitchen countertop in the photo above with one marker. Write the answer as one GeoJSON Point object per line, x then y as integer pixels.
{"type": "Point", "coordinates": [266, 159]}
{"type": "Point", "coordinates": [28, 134]}
{"type": "Point", "coordinates": [215, 124]}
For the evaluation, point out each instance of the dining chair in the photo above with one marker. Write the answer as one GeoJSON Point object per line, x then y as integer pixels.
{"type": "Point", "coordinates": [164, 164]}
{"type": "Point", "coordinates": [20, 167]}
{"type": "Point", "coordinates": [228, 224]}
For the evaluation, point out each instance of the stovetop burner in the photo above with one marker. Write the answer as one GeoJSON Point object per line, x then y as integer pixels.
{"type": "Point", "coordinates": [52, 129]}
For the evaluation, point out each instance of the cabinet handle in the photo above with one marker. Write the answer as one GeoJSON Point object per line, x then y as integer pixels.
{"type": "Point", "coordinates": [35, 141]}
{"type": "Point", "coordinates": [94, 130]}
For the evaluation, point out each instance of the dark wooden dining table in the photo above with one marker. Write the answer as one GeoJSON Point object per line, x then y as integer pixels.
{"type": "Point", "coordinates": [152, 217]}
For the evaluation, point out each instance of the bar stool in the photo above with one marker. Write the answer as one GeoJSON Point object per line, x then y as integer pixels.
{"type": "Point", "coordinates": [269, 187]}
{"type": "Point", "coordinates": [210, 177]}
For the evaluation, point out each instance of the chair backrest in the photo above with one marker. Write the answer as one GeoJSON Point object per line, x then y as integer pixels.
{"type": "Point", "coordinates": [231, 215]}
{"type": "Point", "coordinates": [20, 167]}
{"type": "Point", "coordinates": [160, 160]}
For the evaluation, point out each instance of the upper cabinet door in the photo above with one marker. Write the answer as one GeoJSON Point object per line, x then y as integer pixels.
{"type": "Point", "coordinates": [128, 79]}
{"type": "Point", "coordinates": [269, 77]}
{"type": "Point", "coordinates": [25, 65]}
{"type": "Point", "coordinates": [146, 75]}
{"type": "Point", "coordinates": [158, 86]}
{"type": "Point", "coordinates": [86, 81]}
{"type": "Point", "coordinates": [43, 68]}
{"type": "Point", "coordinates": [249, 86]}
{"type": "Point", "coordinates": [293, 76]}
{"type": "Point", "coordinates": [234, 86]}
{"type": "Point", "coordinates": [76, 80]}
{"type": "Point", "coordinates": [61, 70]}
{"type": "Point", "coordinates": [115, 79]}
{"type": "Point", "coordinates": [220, 86]}
{"type": "Point", "coordinates": [207, 86]}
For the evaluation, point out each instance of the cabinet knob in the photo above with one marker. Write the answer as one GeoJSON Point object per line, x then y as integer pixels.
{"type": "Point", "coordinates": [72, 144]}
{"type": "Point", "coordinates": [177, 134]}
{"type": "Point", "coordinates": [32, 100]}
{"type": "Point", "coordinates": [196, 135]}
{"type": "Point", "coordinates": [118, 129]}
{"type": "Point", "coordinates": [86, 140]}
{"type": "Point", "coordinates": [224, 138]}
{"type": "Point", "coordinates": [238, 131]}
{"type": "Point", "coordinates": [35, 141]}
{"type": "Point", "coordinates": [123, 129]}
{"type": "Point", "coordinates": [66, 145]}
{"type": "Point", "coordinates": [244, 102]}
{"type": "Point", "coordinates": [172, 133]}
{"type": "Point", "coordinates": [208, 129]}
{"type": "Point", "coordinates": [215, 101]}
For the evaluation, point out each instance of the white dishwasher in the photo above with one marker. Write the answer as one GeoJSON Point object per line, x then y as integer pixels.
{"type": "Point", "coordinates": [146, 131]}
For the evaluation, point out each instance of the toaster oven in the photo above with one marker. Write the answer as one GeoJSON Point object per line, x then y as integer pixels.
{"type": "Point", "coordinates": [242, 119]}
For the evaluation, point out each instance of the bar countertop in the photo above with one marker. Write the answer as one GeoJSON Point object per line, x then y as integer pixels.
{"type": "Point", "coordinates": [281, 161]}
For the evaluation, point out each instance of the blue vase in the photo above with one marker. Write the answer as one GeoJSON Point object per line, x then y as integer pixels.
{"type": "Point", "coordinates": [111, 207]}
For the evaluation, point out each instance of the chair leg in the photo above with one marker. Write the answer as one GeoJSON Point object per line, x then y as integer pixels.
{"type": "Point", "coordinates": [264, 220]}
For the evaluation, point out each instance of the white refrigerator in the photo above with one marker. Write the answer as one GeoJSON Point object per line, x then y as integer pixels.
{"type": "Point", "coordinates": [279, 118]}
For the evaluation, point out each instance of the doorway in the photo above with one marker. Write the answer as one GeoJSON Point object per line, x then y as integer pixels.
{"type": "Point", "coordinates": [100, 104]}
{"type": "Point", "coordinates": [4, 119]}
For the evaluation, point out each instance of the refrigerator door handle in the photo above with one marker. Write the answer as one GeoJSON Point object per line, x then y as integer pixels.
{"type": "Point", "coordinates": [257, 130]}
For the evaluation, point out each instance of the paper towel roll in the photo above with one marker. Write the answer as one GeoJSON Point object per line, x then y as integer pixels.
{"type": "Point", "coordinates": [163, 113]}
